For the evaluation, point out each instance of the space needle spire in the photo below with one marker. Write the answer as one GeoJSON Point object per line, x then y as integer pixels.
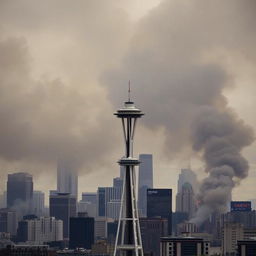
{"type": "Point", "coordinates": [128, 237]}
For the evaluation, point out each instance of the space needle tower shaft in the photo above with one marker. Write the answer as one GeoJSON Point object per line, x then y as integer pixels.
{"type": "Point", "coordinates": [128, 238]}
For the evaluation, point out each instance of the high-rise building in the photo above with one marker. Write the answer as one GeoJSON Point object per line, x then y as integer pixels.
{"type": "Point", "coordinates": [67, 178]}
{"type": "Point", "coordinates": [187, 176]}
{"type": "Point", "coordinates": [105, 195]}
{"type": "Point", "coordinates": [20, 192]}
{"type": "Point", "coordinates": [183, 246]}
{"type": "Point", "coordinates": [81, 234]}
{"type": "Point", "coordinates": [37, 206]}
{"type": "Point", "coordinates": [152, 229]}
{"type": "Point", "coordinates": [40, 230]}
{"type": "Point", "coordinates": [145, 181]}
{"type": "Point", "coordinates": [113, 209]}
{"type": "Point", "coordinates": [63, 207]}
{"type": "Point", "coordinates": [87, 207]}
{"type": "Point", "coordinates": [8, 221]}
{"type": "Point", "coordinates": [231, 233]}
{"type": "Point", "coordinates": [185, 200]}
{"type": "Point", "coordinates": [159, 204]}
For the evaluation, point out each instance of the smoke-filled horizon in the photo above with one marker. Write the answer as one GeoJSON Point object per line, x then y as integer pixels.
{"type": "Point", "coordinates": [65, 66]}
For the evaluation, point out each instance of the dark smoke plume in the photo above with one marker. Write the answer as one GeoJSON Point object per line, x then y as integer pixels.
{"type": "Point", "coordinates": [220, 136]}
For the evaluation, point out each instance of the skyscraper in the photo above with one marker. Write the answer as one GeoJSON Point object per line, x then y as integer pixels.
{"type": "Point", "coordinates": [159, 204]}
{"type": "Point", "coordinates": [185, 200]}
{"type": "Point", "coordinates": [187, 175]}
{"type": "Point", "coordinates": [20, 192]}
{"type": "Point", "coordinates": [63, 207]}
{"type": "Point", "coordinates": [81, 233]}
{"type": "Point", "coordinates": [67, 179]}
{"type": "Point", "coordinates": [145, 181]}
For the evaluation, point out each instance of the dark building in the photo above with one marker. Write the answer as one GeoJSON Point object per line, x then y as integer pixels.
{"type": "Point", "coordinates": [246, 248]}
{"type": "Point", "coordinates": [152, 229]}
{"type": "Point", "coordinates": [20, 192]}
{"type": "Point", "coordinates": [159, 204]}
{"type": "Point", "coordinates": [183, 246]}
{"type": "Point", "coordinates": [26, 250]}
{"type": "Point", "coordinates": [81, 234]}
{"type": "Point", "coordinates": [63, 207]}
{"type": "Point", "coordinates": [111, 232]}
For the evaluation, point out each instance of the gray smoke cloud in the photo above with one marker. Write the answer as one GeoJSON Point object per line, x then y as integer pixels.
{"type": "Point", "coordinates": [220, 136]}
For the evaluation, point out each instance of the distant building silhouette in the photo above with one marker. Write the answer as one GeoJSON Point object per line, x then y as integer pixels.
{"type": "Point", "coordinates": [81, 234]}
{"type": "Point", "coordinates": [67, 178]}
{"type": "Point", "coordinates": [63, 207]}
{"type": "Point", "coordinates": [8, 221]}
{"type": "Point", "coordinates": [20, 192]}
{"type": "Point", "coordinates": [145, 181]}
{"type": "Point", "coordinates": [159, 204]}
{"type": "Point", "coordinates": [185, 200]}
{"type": "Point", "coordinates": [37, 205]}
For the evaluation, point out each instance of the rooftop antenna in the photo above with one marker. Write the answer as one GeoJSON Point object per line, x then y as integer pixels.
{"type": "Point", "coordinates": [129, 91]}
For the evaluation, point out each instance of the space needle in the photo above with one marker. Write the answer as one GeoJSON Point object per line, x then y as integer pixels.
{"type": "Point", "coordinates": [128, 237]}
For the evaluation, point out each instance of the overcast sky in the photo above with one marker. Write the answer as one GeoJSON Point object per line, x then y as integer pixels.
{"type": "Point", "coordinates": [64, 70]}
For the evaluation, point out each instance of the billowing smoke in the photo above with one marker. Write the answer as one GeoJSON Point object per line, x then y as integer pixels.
{"type": "Point", "coordinates": [220, 136]}
{"type": "Point", "coordinates": [178, 62]}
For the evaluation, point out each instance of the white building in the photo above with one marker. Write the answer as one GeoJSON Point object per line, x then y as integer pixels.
{"type": "Point", "coordinates": [67, 179]}
{"type": "Point", "coordinates": [231, 233]}
{"type": "Point", "coordinates": [43, 229]}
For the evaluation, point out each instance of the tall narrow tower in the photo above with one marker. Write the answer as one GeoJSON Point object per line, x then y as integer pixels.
{"type": "Point", "coordinates": [128, 238]}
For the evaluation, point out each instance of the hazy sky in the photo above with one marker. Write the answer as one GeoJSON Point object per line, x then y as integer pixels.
{"type": "Point", "coordinates": [65, 66]}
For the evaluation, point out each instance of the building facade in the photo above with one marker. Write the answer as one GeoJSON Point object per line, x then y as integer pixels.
{"type": "Point", "coordinates": [20, 192]}
{"type": "Point", "coordinates": [159, 204]}
{"type": "Point", "coordinates": [81, 234]}
{"type": "Point", "coordinates": [40, 230]}
{"type": "Point", "coordinates": [185, 200]}
{"type": "Point", "coordinates": [152, 229]}
{"type": "Point", "coordinates": [8, 221]}
{"type": "Point", "coordinates": [63, 207]}
{"type": "Point", "coordinates": [37, 205]}
{"type": "Point", "coordinates": [145, 181]}
{"type": "Point", "coordinates": [184, 246]}
{"type": "Point", "coordinates": [67, 178]}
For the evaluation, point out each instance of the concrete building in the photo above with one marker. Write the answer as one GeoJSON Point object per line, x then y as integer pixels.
{"type": "Point", "coordinates": [100, 227]}
{"type": "Point", "coordinates": [152, 229]}
{"type": "Point", "coordinates": [145, 181]}
{"type": "Point", "coordinates": [20, 192]}
{"type": "Point", "coordinates": [113, 209]}
{"type": "Point", "coordinates": [183, 246]}
{"type": "Point", "coordinates": [81, 233]}
{"type": "Point", "coordinates": [8, 221]}
{"type": "Point", "coordinates": [232, 232]}
{"type": "Point", "coordinates": [37, 205]}
{"type": "Point", "coordinates": [185, 200]}
{"type": "Point", "coordinates": [67, 178]}
{"type": "Point", "coordinates": [63, 207]}
{"type": "Point", "coordinates": [3, 200]}
{"type": "Point", "coordinates": [40, 230]}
